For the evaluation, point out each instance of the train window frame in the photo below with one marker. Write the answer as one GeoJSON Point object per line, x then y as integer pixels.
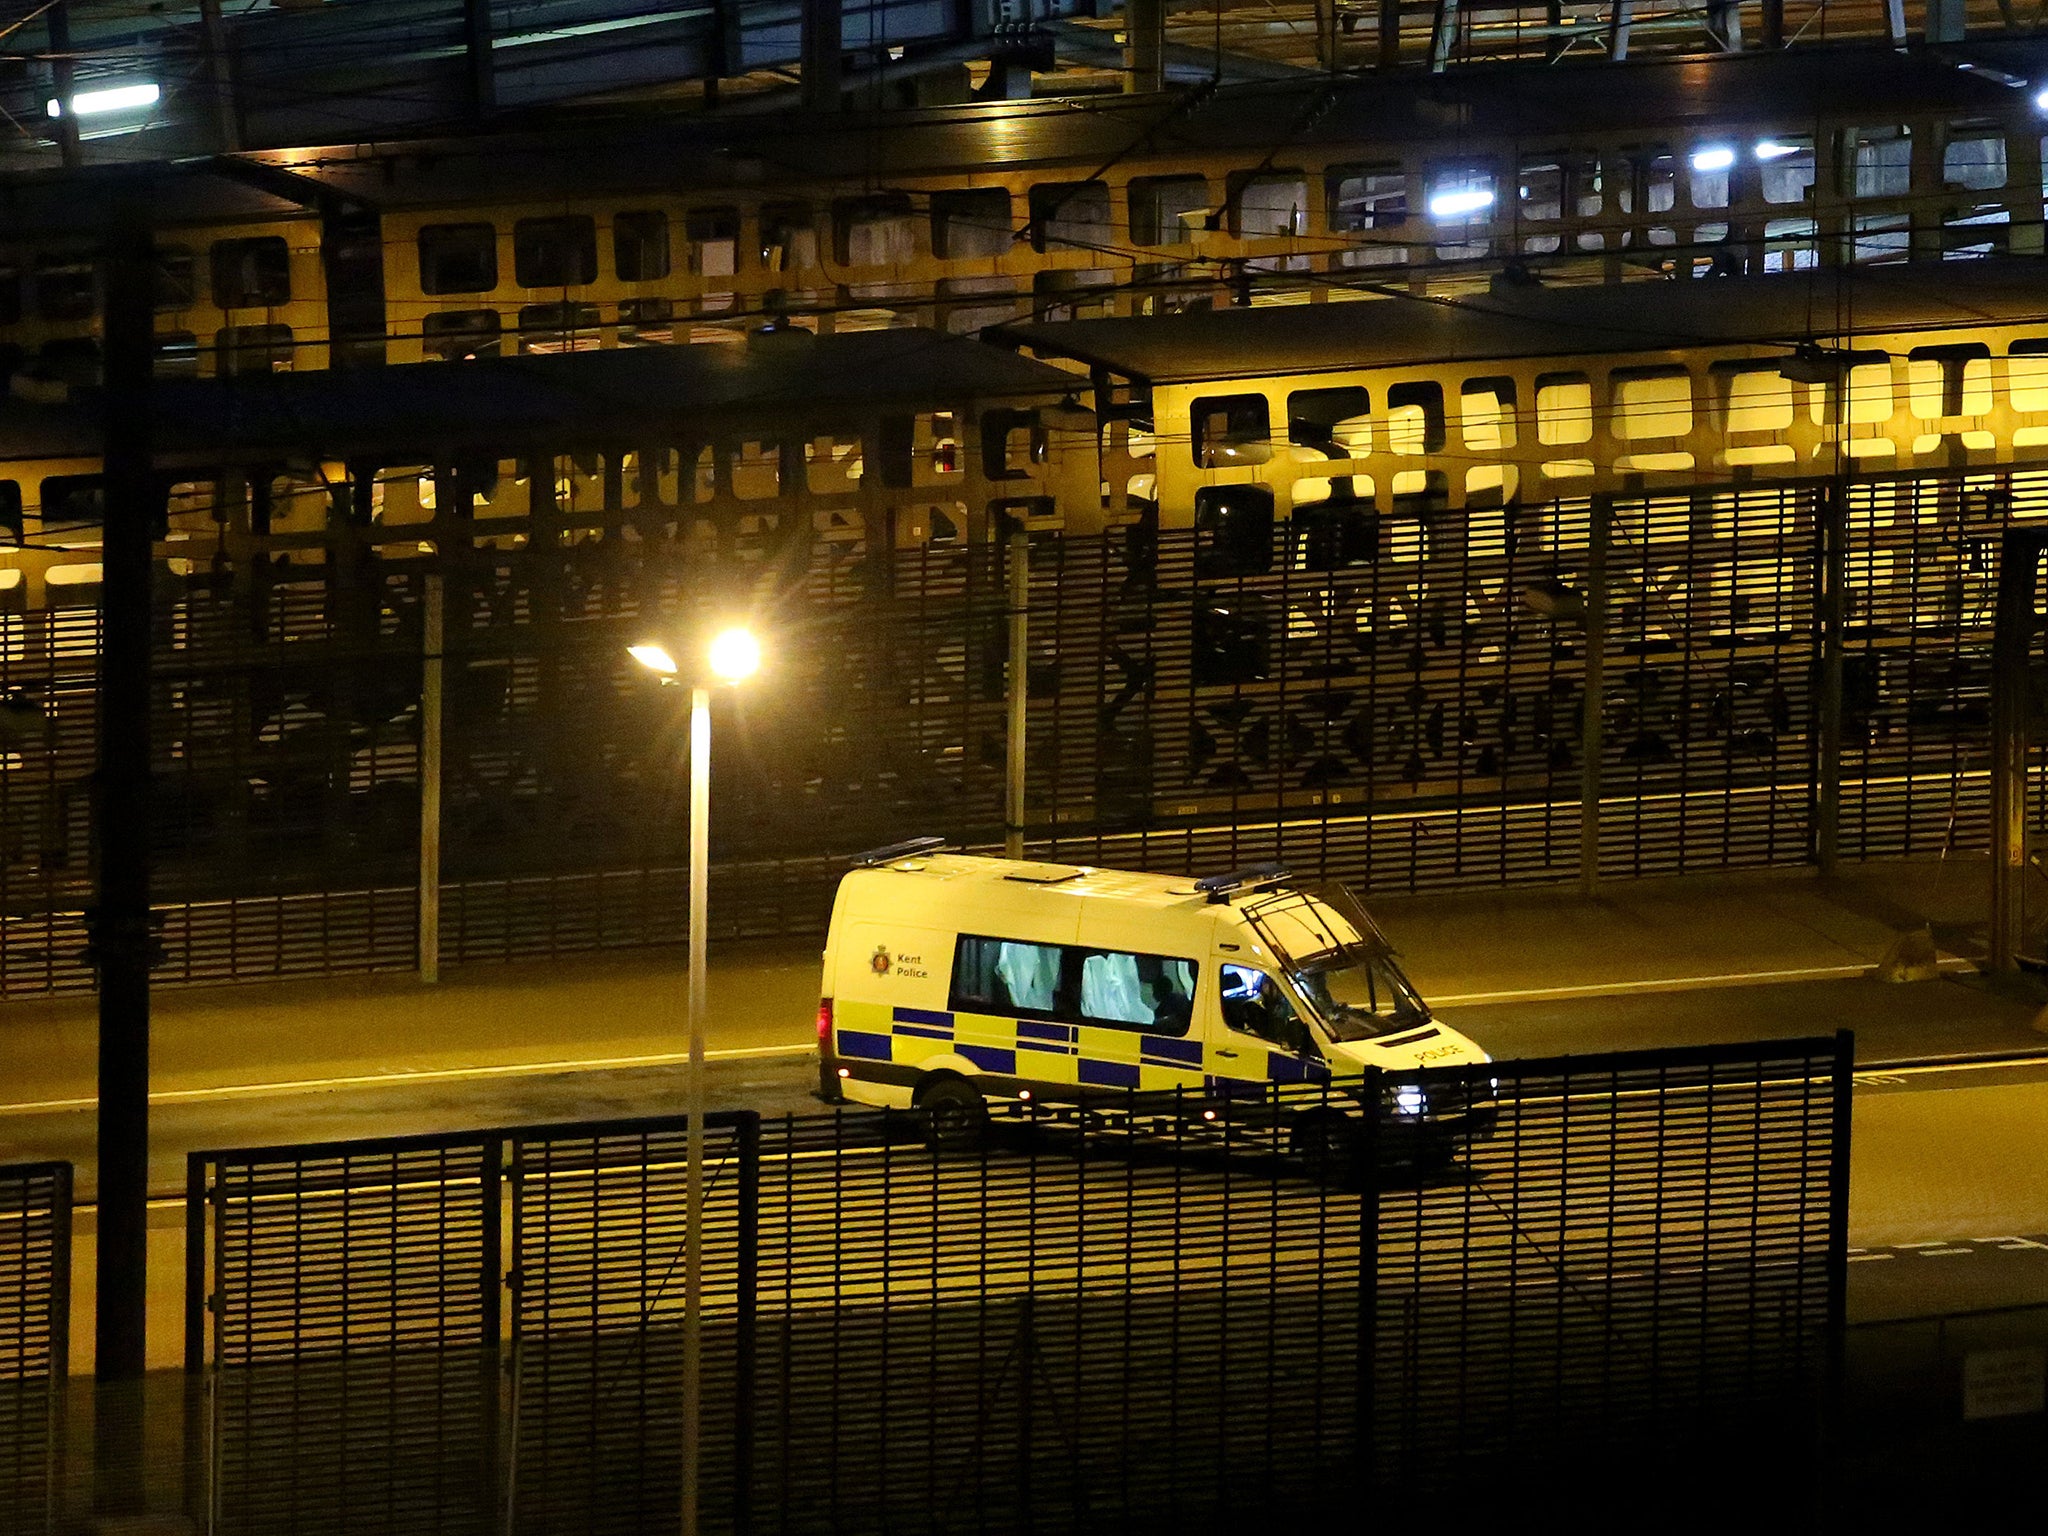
{"type": "Point", "coordinates": [1970, 172]}
{"type": "Point", "coordinates": [1158, 218]}
{"type": "Point", "coordinates": [971, 223]}
{"type": "Point", "coordinates": [174, 280]}
{"type": "Point", "coordinates": [1244, 438]}
{"type": "Point", "coordinates": [474, 241]}
{"type": "Point", "coordinates": [439, 332]}
{"type": "Point", "coordinates": [1052, 204]}
{"type": "Point", "coordinates": [250, 272]}
{"type": "Point", "coordinates": [641, 233]}
{"type": "Point", "coordinates": [555, 243]}
{"type": "Point", "coordinates": [1889, 171]}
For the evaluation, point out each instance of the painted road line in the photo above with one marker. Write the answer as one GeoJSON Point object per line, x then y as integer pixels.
{"type": "Point", "coordinates": [403, 1079]}
{"type": "Point", "coordinates": [1680, 983]}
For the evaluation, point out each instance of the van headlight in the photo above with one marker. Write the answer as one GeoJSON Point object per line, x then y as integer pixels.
{"type": "Point", "coordinates": [1409, 1100]}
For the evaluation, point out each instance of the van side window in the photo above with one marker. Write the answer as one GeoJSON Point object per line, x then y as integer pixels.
{"type": "Point", "coordinates": [1074, 984]}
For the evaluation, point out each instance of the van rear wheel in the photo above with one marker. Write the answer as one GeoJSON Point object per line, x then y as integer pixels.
{"type": "Point", "coordinates": [955, 1116]}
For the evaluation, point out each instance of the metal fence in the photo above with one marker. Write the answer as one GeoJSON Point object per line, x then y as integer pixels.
{"type": "Point", "coordinates": [1403, 703]}
{"type": "Point", "coordinates": [1151, 1315]}
{"type": "Point", "coordinates": [35, 1329]}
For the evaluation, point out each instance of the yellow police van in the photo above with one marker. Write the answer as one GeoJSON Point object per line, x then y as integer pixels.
{"type": "Point", "coordinates": [952, 980]}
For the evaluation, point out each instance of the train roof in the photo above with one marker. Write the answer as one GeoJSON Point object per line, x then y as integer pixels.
{"type": "Point", "coordinates": [1405, 330]}
{"type": "Point", "coordinates": [586, 397]}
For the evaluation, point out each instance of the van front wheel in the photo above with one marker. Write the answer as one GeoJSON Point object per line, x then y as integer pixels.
{"type": "Point", "coordinates": [1328, 1146]}
{"type": "Point", "coordinates": [954, 1115]}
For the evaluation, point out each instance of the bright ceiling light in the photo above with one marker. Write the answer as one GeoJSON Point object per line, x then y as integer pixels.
{"type": "Point", "coordinates": [2041, 101]}
{"type": "Point", "coordinates": [1459, 201]}
{"type": "Point", "coordinates": [735, 654]}
{"type": "Point", "coordinates": [1771, 149]}
{"type": "Point", "coordinates": [1718, 158]}
{"type": "Point", "coordinates": [119, 98]}
{"type": "Point", "coordinates": [654, 657]}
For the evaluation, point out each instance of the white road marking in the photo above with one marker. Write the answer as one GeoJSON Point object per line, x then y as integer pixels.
{"type": "Point", "coordinates": [1680, 983]}
{"type": "Point", "coordinates": [401, 1079]}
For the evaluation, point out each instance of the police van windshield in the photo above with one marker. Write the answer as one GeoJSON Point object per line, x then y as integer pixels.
{"type": "Point", "coordinates": [1358, 994]}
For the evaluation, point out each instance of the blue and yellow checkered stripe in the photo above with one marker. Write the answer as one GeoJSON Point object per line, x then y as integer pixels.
{"type": "Point", "coordinates": [1082, 1055]}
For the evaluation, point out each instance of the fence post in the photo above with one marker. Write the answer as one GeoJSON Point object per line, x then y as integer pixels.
{"type": "Point", "coordinates": [431, 640]}
{"type": "Point", "coordinates": [1843, 1084]}
{"type": "Point", "coordinates": [1831, 529]}
{"type": "Point", "coordinates": [1368, 1275]}
{"type": "Point", "coordinates": [1018, 676]}
{"type": "Point", "coordinates": [196, 1469]}
{"type": "Point", "coordinates": [748, 1281]}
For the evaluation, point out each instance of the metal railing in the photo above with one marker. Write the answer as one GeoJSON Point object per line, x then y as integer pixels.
{"type": "Point", "coordinates": [35, 1328]}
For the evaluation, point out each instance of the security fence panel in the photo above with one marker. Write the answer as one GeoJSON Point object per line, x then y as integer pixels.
{"type": "Point", "coordinates": [1151, 1327]}
{"type": "Point", "coordinates": [35, 1320]}
{"type": "Point", "coordinates": [349, 1308]}
{"type": "Point", "coordinates": [1645, 1258]}
{"type": "Point", "coordinates": [599, 1236]}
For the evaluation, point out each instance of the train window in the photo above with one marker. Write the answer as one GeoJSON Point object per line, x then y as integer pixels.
{"type": "Point", "coordinates": [72, 502]}
{"type": "Point", "coordinates": [458, 258]}
{"type": "Point", "coordinates": [1415, 417]}
{"type": "Point", "coordinates": [1362, 200]}
{"type": "Point", "coordinates": [1707, 171]}
{"type": "Point", "coordinates": [557, 252]}
{"type": "Point", "coordinates": [174, 277]}
{"type": "Point", "coordinates": [1789, 245]}
{"type": "Point", "coordinates": [756, 468]}
{"type": "Point", "coordinates": [971, 221]}
{"type": "Point", "coordinates": [1233, 530]}
{"type": "Point", "coordinates": [1460, 203]}
{"type": "Point", "coordinates": [1652, 402]}
{"type": "Point", "coordinates": [646, 322]}
{"type": "Point", "coordinates": [1785, 167]}
{"type": "Point", "coordinates": [1336, 422]}
{"type": "Point", "coordinates": [1273, 203]}
{"type": "Point", "coordinates": [1486, 413]}
{"type": "Point", "coordinates": [1757, 399]}
{"type": "Point", "coordinates": [713, 237]}
{"type": "Point", "coordinates": [2026, 371]}
{"type": "Point", "coordinates": [1165, 209]}
{"type": "Point", "coordinates": [789, 238]}
{"type": "Point", "coordinates": [1870, 391]}
{"type": "Point", "coordinates": [177, 355]}
{"type": "Point", "coordinates": [1882, 237]}
{"type": "Point", "coordinates": [875, 231]}
{"type": "Point", "coordinates": [253, 273]}
{"type": "Point", "coordinates": [67, 288]}
{"type": "Point", "coordinates": [547, 328]}
{"type": "Point", "coordinates": [1539, 188]}
{"type": "Point", "coordinates": [640, 245]}
{"type": "Point", "coordinates": [1657, 175]}
{"type": "Point", "coordinates": [1564, 409]}
{"type": "Point", "coordinates": [253, 349]}
{"type": "Point", "coordinates": [1974, 155]}
{"type": "Point", "coordinates": [1071, 213]}
{"type": "Point", "coordinates": [10, 509]}
{"type": "Point", "coordinates": [1229, 430]}
{"type": "Point", "coordinates": [1952, 380]}
{"type": "Point", "coordinates": [1067, 294]}
{"type": "Point", "coordinates": [10, 295]}
{"type": "Point", "coordinates": [969, 303]}
{"type": "Point", "coordinates": [459, 334]}
{"type": "Point", "coordinates": [1880, 161]}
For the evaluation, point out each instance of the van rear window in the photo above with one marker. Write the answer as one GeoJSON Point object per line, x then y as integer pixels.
{"type": "Point", "coordinates": [1073, 984]}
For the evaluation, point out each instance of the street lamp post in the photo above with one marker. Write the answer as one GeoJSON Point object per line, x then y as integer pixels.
{"type": "Point", "coordinates": [734, 655]}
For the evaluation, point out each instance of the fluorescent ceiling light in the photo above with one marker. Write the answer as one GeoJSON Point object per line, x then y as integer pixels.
{"type": "Point", "coordinates": [2041, 101]}
{"type": "Point", "coordinates": [1771, 149]}
{"type": "Point", "coordinates": [119, 98]}
{"type": "Point", "coordinates": [1719, 158]}
{"type": "Point", "coordinates": [1459, 200]}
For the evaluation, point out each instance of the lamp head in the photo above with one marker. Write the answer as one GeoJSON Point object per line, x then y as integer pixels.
{"type": "Point", "coordinates": [654, 656]}
{"type": "Point", "coordinates": [735, 655]}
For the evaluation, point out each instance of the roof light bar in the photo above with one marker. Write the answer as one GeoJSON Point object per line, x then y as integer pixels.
{"type": "Point", "coordinates": [1220, 888]}
{"type": "Point", "coordinates": [891, 852]}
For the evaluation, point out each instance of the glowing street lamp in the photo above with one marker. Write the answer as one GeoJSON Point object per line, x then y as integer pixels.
{"type": "Point", "coordinates": [732, 656]}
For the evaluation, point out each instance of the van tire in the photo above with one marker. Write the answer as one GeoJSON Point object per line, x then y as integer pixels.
{"type": "Point", "coordinates": [1328, 1146]}
{"type": "Point", "coordinates": [955, 1115]}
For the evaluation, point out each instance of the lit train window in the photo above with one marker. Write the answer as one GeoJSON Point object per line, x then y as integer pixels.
{"type": "Point", "coordinates": [71, 503]}
{"type": "Point", "coordinates": [460, 334]}
{"type": "Point", "coordinates": [458, 258]}
{"type": "Point", "coordinates": [971, 222]}
{"type": "Point", "coordinates": [1974, 155]}
{"type": "Point", "coordinates": [1539, 190]}
{"type": "Point", "coordinates": [713, 236]}
{"type": "Point", "coordinates": [253, 349]}
{"type": "Point", "coordinates": [255, 273]}
{"type": "Point", "coordinates": [1229, 430]}
{"type": "Point", "coordinates": [1652, 403]}
{"type": "Point", "coordinates": [1880, 161]}
{"type": "Point", "coordinates": [1074, 213]}
{"type": "Point", "coordinates": [1784, 167]}
{"type": "Point", "coordinates": [874, 231]}
{"type": "Point", "coordinates": [1758, 399]}
{"type": "Point", "coordinates": [1275, 203]}
{"type": "Point", "coordinates": [559, 252]}
{"type": "Point", "coordinates": [2026, 371]}
{"type": "Point", "coordinates": [1486, 414]}
{"type": "Point", "coordinates": [1336, 422]}
{"type": "Point", "coordinates": [1564, 409]}
{"type": "Point", "coordinates": [1707, 175]}
{"type": "Point", "coordinates": [789, 238]}
{"type": "Point", "coordinates": [640, 245]}
{"type": "Point", "coordinates": [1461, 204]}
{"type": "Point", "coordinates": [67, 288]}
{"type": "Point", "coordinates": [1163, 208]}
{"type": "Point", "coordinates": [174, 281]}
{"type": "Point", "coordinates": [1415, 417]}
{"type": "Point", "coordinates": [1869, 395]}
